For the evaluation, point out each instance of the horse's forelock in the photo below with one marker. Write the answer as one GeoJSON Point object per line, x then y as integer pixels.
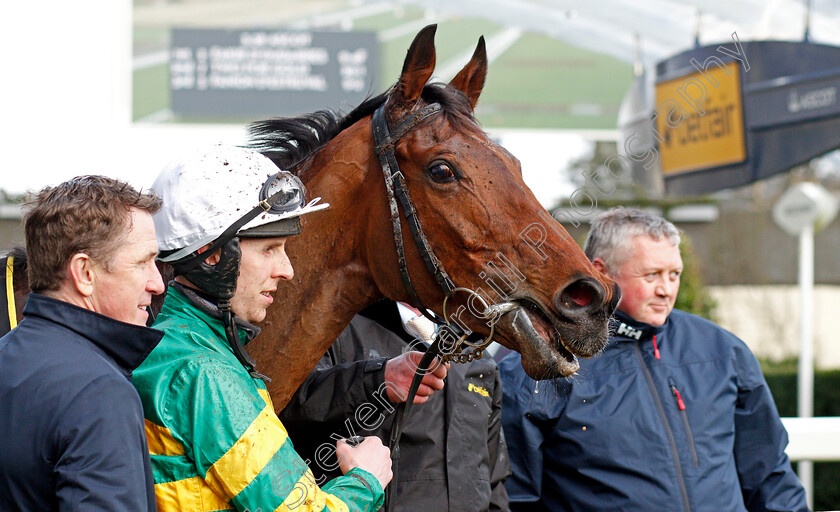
{"type": "Point", "coordinates": [455, 104]}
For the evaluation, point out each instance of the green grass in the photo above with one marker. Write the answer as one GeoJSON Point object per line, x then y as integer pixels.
{"type": "Point", "coordinates": [539, 82]}
{"type": "Point", "coordinates": [459, 35]}
{"type": "Point", "coordinates": [452, 37]}
{"type": "Point", "coordinates": [151, 91]}
{"type": "Point", "coordinates": [149, 36]}
{"type": "Point", "coordinates": [387, 20]}
{"type": "Point", "coordinates": [514, 116]}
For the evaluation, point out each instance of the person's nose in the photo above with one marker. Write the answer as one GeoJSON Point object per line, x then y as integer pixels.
{"type": "Point", "coordinates": [666, 287]}
{"type": "Point", "coordinates": [155, 284]}
{"type": "Point", "coordinates": [283, 267]}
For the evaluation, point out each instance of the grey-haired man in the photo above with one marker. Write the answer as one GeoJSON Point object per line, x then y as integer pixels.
{"type": "Point", "coordinates": [674, 415]}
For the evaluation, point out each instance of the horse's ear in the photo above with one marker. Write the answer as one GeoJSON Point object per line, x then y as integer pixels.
{"type": "Point", "coordinates": [470, 80]}
{"type": "Point", "coordinates": [417, 68]}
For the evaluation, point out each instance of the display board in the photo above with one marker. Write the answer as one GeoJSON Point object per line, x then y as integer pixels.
{"type": "Point", "coordinates": [239, 74]}
{"type": "Point", "coordinates": [727, 115]}
{"type": "Point", "coordinates": [708, 134]}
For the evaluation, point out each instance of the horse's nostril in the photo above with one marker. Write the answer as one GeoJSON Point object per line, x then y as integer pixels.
{"type": "Point", "coordinates": [581, 296]}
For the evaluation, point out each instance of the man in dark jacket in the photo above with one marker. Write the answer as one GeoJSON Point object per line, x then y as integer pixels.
{"type": "Point", "coordinates": [452, 451]}
{"type": "Point", "coordinates": [71, 428]}
{"type": "Point", "coordinates": [675, 415]}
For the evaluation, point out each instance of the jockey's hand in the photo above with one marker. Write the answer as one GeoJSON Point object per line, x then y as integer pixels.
{"type": "Point", "coordinates": [370, 455]}
{"type": "Point", "coordinates": [400, 370]}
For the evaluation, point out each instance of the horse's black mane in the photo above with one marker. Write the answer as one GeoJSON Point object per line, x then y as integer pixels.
{"type": "Point", "coordinates": [291, 140]}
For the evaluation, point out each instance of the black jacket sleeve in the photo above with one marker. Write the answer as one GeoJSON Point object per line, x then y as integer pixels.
{"type": "Point", "coordinates": [103, 462]}
{"type": "Point", "coordinates": [500, 464]}
{"type": "Point", "coordinates": [344, 379]}
{"type": "Point", "coordinates": [343, 396]}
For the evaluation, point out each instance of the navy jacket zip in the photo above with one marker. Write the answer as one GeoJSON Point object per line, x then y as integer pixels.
{"type": "Point", "coordinates": [671, 441]}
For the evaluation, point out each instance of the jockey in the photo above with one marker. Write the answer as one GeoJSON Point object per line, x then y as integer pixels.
{"type": "Point", "coordinates": [214, 439]}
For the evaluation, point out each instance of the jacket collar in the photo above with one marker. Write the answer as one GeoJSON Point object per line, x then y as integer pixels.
{"type": "Point", "coordinates": [127, 344]}
{"type": "Point", "coordinates": [624, 327]}
{"type": "Point", "coordinates": [203, 303]}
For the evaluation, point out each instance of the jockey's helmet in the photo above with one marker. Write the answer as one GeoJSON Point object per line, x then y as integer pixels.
{"type": "Point", "coordinates": [216, 196]}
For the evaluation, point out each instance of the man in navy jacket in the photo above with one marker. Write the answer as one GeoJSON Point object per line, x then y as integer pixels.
{"type": "Point", "coordinates": [675, 415]}
{"type": "Point", "coordinates": [71, 423]}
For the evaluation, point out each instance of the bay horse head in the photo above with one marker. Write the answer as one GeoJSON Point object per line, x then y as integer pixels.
{"type": "Point", "coordinates": [481, 229]}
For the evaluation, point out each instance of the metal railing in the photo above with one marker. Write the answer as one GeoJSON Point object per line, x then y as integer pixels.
{"type": "Point", "coordinates": [815, 439]}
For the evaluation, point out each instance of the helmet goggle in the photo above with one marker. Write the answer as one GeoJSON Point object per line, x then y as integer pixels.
{"type": "Point", "coordinates": [281, 194]}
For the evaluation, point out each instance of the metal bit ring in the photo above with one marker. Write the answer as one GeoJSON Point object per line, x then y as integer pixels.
{"type": "Point", "coordinates": [478, 348]}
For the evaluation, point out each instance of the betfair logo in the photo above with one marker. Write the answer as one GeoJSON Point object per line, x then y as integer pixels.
{"type": "Point", "coordinates": [478, 389]}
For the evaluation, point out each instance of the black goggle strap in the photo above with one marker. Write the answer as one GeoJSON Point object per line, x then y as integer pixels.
{"type": "Point", "coordinates": [190, 262]}
{"type": "Point", "coordinates": [229, 322]}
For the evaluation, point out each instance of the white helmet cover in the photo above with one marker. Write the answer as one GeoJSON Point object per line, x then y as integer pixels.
{"type": "Point", "coordinates": [207, 192]}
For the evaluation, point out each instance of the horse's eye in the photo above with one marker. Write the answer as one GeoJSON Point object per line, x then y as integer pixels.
{"type": "Point", "coordinates": [441, 172]}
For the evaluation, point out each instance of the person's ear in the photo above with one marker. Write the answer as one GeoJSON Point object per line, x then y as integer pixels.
{"type": "Point", "coordinates": [599, 265]}
{"type": "Point", "coordinates": [213, 258]}
{"type": "Point", "coordinates": [81, 273]}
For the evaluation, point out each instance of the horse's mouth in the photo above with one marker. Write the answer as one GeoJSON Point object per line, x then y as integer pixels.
{"type": "Point", "coordinates": [545, 353]}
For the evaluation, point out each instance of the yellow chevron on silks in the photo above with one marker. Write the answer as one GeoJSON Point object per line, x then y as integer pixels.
{"type": "Point", "coordinates": [160, 440]}
{"type": "Point", "coordinates": [307, 496]}
{"type": "Point", "coordinates": [189, 495]}
{"type": "Point", "coordinates": [241, 463]}
{"type": "Point", "coordinates": [266, 397]}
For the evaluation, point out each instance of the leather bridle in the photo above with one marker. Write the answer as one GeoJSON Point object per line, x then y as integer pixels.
{"type": "Point", "coordinates": [384, 143]}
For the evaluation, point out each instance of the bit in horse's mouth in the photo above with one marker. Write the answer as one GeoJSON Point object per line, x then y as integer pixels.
{"type": "Point", "coordinates": [545, 328]}
{"type": "Point", "coordinates": [529, 329]}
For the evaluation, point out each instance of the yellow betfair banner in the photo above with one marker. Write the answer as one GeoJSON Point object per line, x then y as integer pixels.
{"type": "Point", "coordinates": [699, 119]}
